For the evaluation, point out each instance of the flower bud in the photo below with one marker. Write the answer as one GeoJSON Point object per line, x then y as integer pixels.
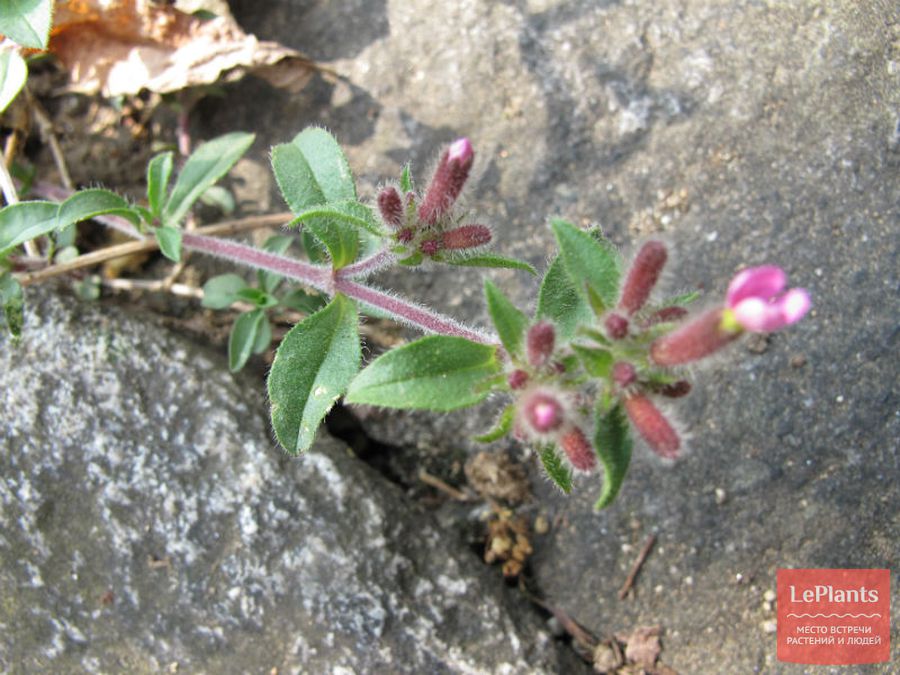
{"type": "Point", "coordinates": [643, 275]}
{"type": "Point", "coordinates": [543, 412]}
{"type": "Point", "coordinates": [467, 236]}
{"type": "Point", "coordinates": [579, 450]}
{"type": "Point", "coordinates": [430, 246]}
{"type": "Point", "coordinates": [694, 340]}
{"type": "Point", "coordinates": [539, 343]}
{"type": "Point", "coordinates": [517, 379]}
{"type": "Point", "coordinates": [405, 235]}
{"type": "Point", "coordinates": [616, 326]}
{"type": "Point", "coordinates": [391, 207]}
{"type": "Point", "coordinates": [623, 373]}
{"type": "Point", "coordinates": [447, 182]}
{"type": "Point", "coordinates": [653, 427]}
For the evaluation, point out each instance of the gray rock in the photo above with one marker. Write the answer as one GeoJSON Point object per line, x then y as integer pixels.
{"type": "Point", "coordinates": [743, 133]}
{"type": "Point", "coordinates": [149, 522]}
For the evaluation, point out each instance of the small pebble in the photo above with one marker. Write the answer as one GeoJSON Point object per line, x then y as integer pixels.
{"type": "Point", "coordinates": [798, 361]}
{"type": "Point", "coordinates": [541, 525]}
{"type": "Point", "coordinates": [721, 496]}
{"type": "Point", "coordinates": [769, 596]}
{"type": "Point", "coordinates": [769, 626]}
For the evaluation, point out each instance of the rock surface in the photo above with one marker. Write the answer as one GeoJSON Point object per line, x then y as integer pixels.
{"type": "Point", "coordinates": [743, 133]}
{"type": "Point", "coordinates": [149, 524]}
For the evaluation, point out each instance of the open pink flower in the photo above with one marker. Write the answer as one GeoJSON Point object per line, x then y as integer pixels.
{"type": "Point", "coordinates": [758, 303]}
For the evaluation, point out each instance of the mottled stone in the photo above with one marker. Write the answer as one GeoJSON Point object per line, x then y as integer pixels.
{"type": "Point", "coordinates": [149, 522]}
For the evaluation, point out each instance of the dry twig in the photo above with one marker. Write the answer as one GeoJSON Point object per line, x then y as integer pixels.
{"type": "Point", "coordinates": [636, 567]}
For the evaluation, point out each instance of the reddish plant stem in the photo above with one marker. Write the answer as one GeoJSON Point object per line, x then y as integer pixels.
{"type": "Point", "coordinates": [411, 313]}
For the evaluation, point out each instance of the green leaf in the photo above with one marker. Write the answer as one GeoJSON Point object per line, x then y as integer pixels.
{"type": "Point", "coordinates": [504, 424]}
{"type": "Point", "coordinates": [27, 22]}
{"type": "Point", "coordinates": [24, 221]}
{"type": "Point", "coordinates": [313, 366]}
{"type": "Point", "coordinates": [588, 260]}
{"type": "Point", "coordinates": [493, 261]}
{"type": "Point", "coordinates": [313, 247]}
{"type": "Point", "coordinates": [347, 212]}
{"type": "Point", "coordinates": [263, 336]}
{"type": "Point", "coordinates": [220, 198]}
{"type": "Point", "coordinates": [221, 291]}
{"type": "Point", "coordinates": [13, 73]}
{"type": "Point", "coordinates": [258, 297]}
{"type": "Point", "coordinates": [412, 260]}
{"type": "Point", "coordinates": [312, 170]}
{"type": "Point", "coordinates": [86, 204]}
{"type": "Point", "coordinates": [559, 302]}
{"type": "Point", "coordinates": [406, 184]}
{"type": "Point", "coordinates": [612, 441]}
{"type": "Point", "coordinates": [204, 167]}
{"type": "Point", "coordinates": [682, 300]}
{"type": "Point", "coordinates": [437, 372]}
{"type": "Point", "coordinates": [597, 362]}
{"type": "Point", "coordinates": [339, 226]}
{"type": "Point", "coordinates": [169, 239]}
{"type": "Point", "coordinates": [159, 171]}
{"type": "Point", "coordinates": [13, 303]}
{"type": "Point", "coordinates": [303, 301]}
{"type": "Point", "coordinates": [556, 468]}
{"type": "Point", "coordinates": [509, 321]}
{"type": "Point", "coordinates": [278, 243]}
{"type": "Point", "coordinates": [243, 339]}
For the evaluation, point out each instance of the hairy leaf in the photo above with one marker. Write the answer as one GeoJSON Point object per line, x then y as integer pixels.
{"type": "Point", "coordinates": [159, 171]}
{"type": "Point", "coordinates": [612, 441]}
{"type": "Point", "coordinates": [556, 468]}
{"type": "Point", "coordinates": [311, 170]}
{"type": "Point", "coordinates": [492, 261]}
{"type": "Point", "coordinates": [221, 291]}
{"type": "Point", "coordinates": [437, 372]}
{"type": "Point", "coordinates": [313, 366]}
{"type": "Point", "coordinates": [86, 204]}
{"type": "Point", "coordinates": [169, 239]}
{"type": "Point", "coordinates": [559, 302]}
{"type": "Point", "coordinates": [204, 167]}
{"type": "Point", "coordinates": [243, 339]}
{"type": "Point", "coordinates": [503, 426]}
{"type": "Point", "coordinates": [597, 362]}
{"type": "Point", "coordinates": [510, 322]}
{"type": "Point", "coordinates": [588, 260]}
{"type": "Point", "coordinates": [24, 221]}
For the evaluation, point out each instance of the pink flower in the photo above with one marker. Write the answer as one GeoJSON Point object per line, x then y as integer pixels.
{"type": "Point", "coordinates": [448, 180]}
{"type": "Point", "coordinates": [758, 303]}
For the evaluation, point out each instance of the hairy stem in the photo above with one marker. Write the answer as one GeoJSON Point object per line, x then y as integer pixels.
{"type": "Point", "coordinates": [370, 265]}
{"type": "Point", "coordinates": [409, 312]}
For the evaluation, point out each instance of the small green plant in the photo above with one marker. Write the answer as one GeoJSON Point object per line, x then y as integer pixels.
{"type": "Point", "coordinates": [588, 365]}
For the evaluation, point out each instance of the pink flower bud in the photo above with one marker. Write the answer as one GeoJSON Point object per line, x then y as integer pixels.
{"type": "Point", "coordinates": [694, 340]}
{"type": "Point", "coordinates": [623, 373]}
{"type": "Point", "coordinates": [448, 180]}
{"type": "Point", "coordinates": [616, 326]}
{"type": "Point", "coordinates": [543, 412]}
{"type": "Point", "coordinates": [579, 450]}
{"type": "Point", "coordinates": [653, 427]}
{"type": "Point", "coordinates": [643, 275]}
{"type": "Point", "coordinates": [539, 343]}
{"type": "Point", "coordinates": [758, 303]}
{"type": "Point", "coordinates": [517, 379]}
{"type": "Point", "coordinates": [391, 207]}
{"type": "Point", "coordinates": [467, 236]}
{"type": "Point", "coordinates": [405, 235]}
{"type": "Point", "coordinates": [430, 246]}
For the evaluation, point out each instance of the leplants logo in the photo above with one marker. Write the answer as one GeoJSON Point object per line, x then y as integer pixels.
{"type": "Point", "coordinates": [834, 616]}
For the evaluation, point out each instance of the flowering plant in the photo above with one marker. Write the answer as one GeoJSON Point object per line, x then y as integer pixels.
{"type": "Point", "coordinates": [590, 363]}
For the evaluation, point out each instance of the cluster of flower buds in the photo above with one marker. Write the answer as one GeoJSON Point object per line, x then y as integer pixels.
{"type": "Point", "coordinates": [426, 226]}
{"type": "Point", "coordinates": [639, 347]}
{"type": "Point", "coordinates": [755, 301]}
{"type": "Point", "coordinates": [547, 413]}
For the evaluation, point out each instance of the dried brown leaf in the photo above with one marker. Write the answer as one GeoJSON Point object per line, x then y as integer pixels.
{"type": "Point", "coordinates": [642, 645]}
{"type": "Point", "coordinates": [119, 47]}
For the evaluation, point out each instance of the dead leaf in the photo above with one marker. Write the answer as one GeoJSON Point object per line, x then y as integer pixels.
{"type": "Point", "coordinates": [118, 47]}
{"type": "Point", "coordinates": [642, 645]}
